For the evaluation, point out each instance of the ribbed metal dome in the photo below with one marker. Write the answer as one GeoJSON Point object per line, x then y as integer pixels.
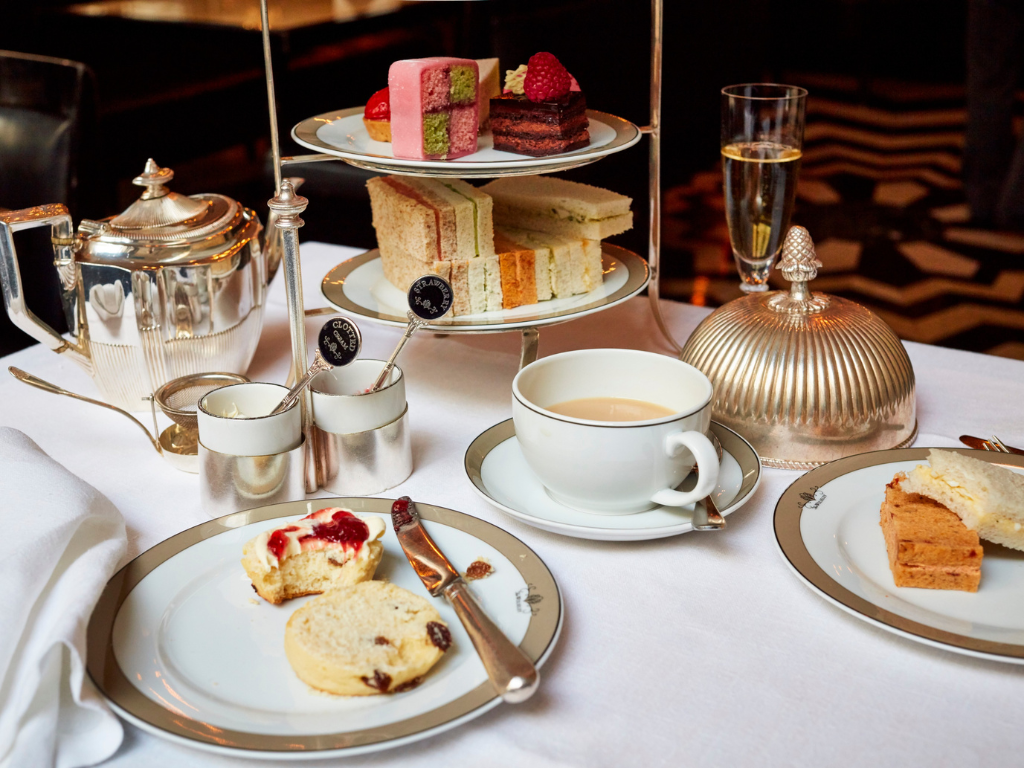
{"type": "Point", "coordinates": [806, 378]}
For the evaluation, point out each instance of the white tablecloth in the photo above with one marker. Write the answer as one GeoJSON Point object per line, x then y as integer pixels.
{"type": "Point", "coordinates": [698, 649]}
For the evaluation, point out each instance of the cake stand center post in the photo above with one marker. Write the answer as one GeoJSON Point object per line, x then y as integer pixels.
{"type": "Point", "coordinates": [288, 205]}
{"type": "Point", "coordinates": [653, 131]}
{"type": "Point", "coordinates": [531, 343]}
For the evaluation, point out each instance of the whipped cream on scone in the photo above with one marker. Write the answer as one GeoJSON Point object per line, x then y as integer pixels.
{"type": "Point", "coordinates": [328, 548]}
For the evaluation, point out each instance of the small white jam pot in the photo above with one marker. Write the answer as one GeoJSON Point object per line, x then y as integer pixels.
{"type": "Point", "coordinates": [342, 405]}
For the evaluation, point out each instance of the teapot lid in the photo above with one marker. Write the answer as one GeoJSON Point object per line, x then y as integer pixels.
{"type": "Point", "coordinates": [161, 215]}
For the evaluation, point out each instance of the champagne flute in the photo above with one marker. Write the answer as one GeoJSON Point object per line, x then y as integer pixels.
{"type": "Point", "coordinates": [762, 142]}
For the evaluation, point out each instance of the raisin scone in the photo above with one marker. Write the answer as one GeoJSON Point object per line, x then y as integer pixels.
{"type": "Point", "coordinates": [329, 548]}
{"type": "Point", "coordinates": [366, 639]}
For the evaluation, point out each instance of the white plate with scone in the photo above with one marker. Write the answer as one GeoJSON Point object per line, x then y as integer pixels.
{"type": "Point", "coordinates": [498, 471]}
{"type": "Point", "coordinates": [182, 646]}
{"type": "Point", "coordinates": [828, 528]}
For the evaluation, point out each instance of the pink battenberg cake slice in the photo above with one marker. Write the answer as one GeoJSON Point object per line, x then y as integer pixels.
{"type": "Point", "coordinates": [434, 108]}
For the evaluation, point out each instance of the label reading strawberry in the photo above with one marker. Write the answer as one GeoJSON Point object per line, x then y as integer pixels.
{"type": "Point", "coordinates": [546, 78]}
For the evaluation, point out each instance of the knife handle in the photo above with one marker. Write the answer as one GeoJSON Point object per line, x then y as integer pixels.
{"type": "Point", "coordinates": [512, 673]}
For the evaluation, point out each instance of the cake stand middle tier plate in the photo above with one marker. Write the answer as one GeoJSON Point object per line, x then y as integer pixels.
{"type": "Point", "coordinates": [342, 134]}
{"type": "Point", "coordinates": [358, 287]}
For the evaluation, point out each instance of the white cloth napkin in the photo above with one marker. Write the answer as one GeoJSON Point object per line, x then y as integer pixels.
{"type": "Point", "coordinates": [61, 542]}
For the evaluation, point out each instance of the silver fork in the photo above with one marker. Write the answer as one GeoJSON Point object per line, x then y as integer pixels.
{"type": "Point", "coordinates": [711, 519]}
{"type": "Point", "coordinates": [995, 444]}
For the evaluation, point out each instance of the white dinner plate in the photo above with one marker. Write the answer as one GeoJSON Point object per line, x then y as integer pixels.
{"type": "Point", "coordinates": [342, 133]}
{"type": "Point", "coordinates": [499, 472]}
{"type": "Point", "coordinates": [827, 528]}
{"type": "Point", "coordinates": [358, 286]}
{"type": "Point", "coordinates": [182, 647]}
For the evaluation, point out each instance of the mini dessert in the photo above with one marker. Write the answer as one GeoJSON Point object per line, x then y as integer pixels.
{"type": "Point", "coordinates": [377, 116]}
{"type": "Point", "coordinates": [988, 498]}
{"type": "Point", "coordinates": [540, 113]}
{"type": "Point", "coordinates": [928, 546]}
{"type": "Point", "coordinates": [367, 639]}
{"type": "Point", "coordinates": [434, 108]}
{"type": "Point", "coordinates": [560, 207]}
{"type": "Point", "coordinates": [490, 88]}
{"type": "Point", "coordinates": [329, 548]}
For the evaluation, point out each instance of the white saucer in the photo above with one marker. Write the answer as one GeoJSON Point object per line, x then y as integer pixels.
{"type": "Point", "coordinates": [498, 471]}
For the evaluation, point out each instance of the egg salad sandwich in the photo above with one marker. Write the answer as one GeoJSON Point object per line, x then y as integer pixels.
{"type": "Point", "coordinates": [988, 498]}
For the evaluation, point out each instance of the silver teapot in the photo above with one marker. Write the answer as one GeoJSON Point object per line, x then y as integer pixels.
{"type": "Point", "coordinates": [175, 285]}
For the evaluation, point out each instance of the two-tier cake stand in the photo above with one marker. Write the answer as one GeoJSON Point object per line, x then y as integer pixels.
{"type": "Point", "coordinates": [357, 286]}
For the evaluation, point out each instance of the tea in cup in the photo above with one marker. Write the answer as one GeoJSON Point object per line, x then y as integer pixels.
{"type": "Point", "coordinates": [615, 431]}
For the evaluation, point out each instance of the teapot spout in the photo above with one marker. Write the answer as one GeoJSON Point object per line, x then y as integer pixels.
{"type": "Point", "coordinates": [273, 247]}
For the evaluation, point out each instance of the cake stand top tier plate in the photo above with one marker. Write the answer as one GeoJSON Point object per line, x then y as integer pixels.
{"type": "Point", "coordinates": [341, 133]}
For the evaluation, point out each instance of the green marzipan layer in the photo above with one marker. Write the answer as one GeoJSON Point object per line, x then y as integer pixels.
{"type": "Point", "coordinates": [463, 88]}
{"type": "Point", "coordinates": [435, 133]}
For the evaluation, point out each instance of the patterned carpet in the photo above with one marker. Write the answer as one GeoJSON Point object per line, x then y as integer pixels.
{"type": "Point", "coordinates": [880, 192]}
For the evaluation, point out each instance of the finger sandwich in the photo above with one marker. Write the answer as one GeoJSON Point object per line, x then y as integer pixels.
{"type": "Point", "coordinates": [988, 498]}
{"type": "Point", "coordinates": [559, 207]}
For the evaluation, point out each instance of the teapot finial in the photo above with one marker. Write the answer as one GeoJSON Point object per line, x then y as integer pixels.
{"type": "Point", "coordinates": [799, 265]}
{"type": "Point", "coordinates": [153, 178]}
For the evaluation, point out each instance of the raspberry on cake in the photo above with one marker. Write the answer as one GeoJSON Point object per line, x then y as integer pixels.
{"type": "Point", "coordinates": [542, 112]}
{"type": "Point", "coordinates": [329, 548]}
{"type": "Point", "coordinates": [434, 108]}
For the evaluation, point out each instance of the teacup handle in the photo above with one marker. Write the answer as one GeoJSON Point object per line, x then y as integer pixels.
{"type": "Point", "coordinates": [707, 468]}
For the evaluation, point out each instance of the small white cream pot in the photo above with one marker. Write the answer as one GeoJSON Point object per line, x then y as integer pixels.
{"type": "Point", "coordinates": [234, 420]}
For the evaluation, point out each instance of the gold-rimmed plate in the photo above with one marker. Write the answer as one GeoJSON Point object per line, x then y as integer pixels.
{"type": "Point", "coordinates": [182, 647]}
{"type": "Point", "coordinates": [342, 133]}
{"type": "Point", "coordinates": [496, 467]}
{"type": "Point", "coordinates": [827, 528]}
{"type": "Point", "coordinates": [358, 287]}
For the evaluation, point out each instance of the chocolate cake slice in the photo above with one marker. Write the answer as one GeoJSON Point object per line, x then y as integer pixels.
{"type": "Point", "coordinates": [539, 128]}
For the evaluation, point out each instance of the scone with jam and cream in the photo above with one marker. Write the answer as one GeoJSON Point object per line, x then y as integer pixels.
{"type": "Point", "coordinates": [330, 548]}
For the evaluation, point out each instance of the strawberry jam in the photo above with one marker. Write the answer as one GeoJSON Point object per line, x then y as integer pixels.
{"type": "Point", "coordinates": [278, 541]}
{"type": "Point", "coordinates": [343, 528]}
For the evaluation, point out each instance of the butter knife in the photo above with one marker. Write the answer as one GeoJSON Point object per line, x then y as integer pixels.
{"type": "Point", "coordinates": [512, 674]}
{"type": "Point", "coordinates": [978, 444]}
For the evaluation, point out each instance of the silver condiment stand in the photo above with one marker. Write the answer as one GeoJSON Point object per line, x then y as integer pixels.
{"type": "Point", "coordinates": [806, 377]}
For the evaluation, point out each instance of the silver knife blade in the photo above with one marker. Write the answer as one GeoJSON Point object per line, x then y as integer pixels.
{"type": "Point", "coordinates": [429, 562]}
{"type": "Point", "coordinates": [510, 670]}
{"type": "Point", "coordinates": [979, 444]}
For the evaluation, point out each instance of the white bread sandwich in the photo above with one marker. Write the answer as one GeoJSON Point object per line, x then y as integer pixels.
{"type": "Point", "coordinates": [988, 498]}
{"type": "Point", "coordinates": [367, 639]}
{"type": "Point", "coordinates": [329, 548]}
{"type": "Point", "coordinates": [559, 207]}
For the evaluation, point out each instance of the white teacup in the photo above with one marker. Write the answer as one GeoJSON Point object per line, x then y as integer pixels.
{"type": "Point", "coordinates": [616, 467]}
{"type": "Point", "coordinates": [342, 405]}
{"type": "Point", "coordinates": [235, 420]}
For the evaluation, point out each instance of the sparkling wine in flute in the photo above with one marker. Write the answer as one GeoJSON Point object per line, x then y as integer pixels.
{"type": "Point", "coordinates": [760, 188]}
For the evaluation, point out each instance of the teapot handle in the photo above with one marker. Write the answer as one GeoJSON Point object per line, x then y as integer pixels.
{"type": "Point", "coordinates": [63, 237]}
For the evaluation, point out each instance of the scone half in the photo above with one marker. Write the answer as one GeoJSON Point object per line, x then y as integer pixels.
{"type": "Point", "coordinates": [329, 548]}
{"type": "Point", "coordinates": [364, 640]}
